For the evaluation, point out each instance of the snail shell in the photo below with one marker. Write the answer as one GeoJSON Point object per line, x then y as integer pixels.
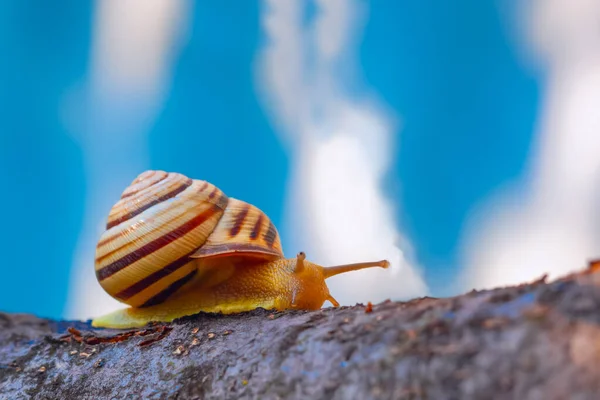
{"type": "Point", "coordinates": [164, 224]}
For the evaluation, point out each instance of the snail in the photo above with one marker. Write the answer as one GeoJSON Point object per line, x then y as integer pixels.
{"type": "Point", "coordinates": [175, 246]}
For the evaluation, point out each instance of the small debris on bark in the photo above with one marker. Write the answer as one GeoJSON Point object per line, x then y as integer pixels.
{"type": "Point", "coordinates": [92, 339]}
{"type": "Point", "coordinates": [179, 350]}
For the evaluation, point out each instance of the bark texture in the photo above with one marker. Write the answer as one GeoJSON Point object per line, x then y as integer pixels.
{"type": "Point", "coordinates": [534, 341]}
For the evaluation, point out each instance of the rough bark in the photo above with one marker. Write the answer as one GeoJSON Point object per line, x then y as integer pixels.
{"type": "Point", "coordinates": [534, 341]}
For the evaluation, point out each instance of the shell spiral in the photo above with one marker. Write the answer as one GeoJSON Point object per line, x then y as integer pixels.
{"type": "Point", "coordinates": [162, 224]}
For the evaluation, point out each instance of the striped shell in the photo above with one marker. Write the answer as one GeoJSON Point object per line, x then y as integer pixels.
{"type": "Point", "coordinates": [163, 223]}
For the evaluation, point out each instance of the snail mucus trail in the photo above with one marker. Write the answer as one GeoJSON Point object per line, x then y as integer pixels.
{"type": "Point", "coordinates": [175, 246]}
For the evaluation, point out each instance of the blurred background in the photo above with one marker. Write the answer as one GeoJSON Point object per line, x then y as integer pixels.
{"type": "Point", "coordinates": [460, 141]}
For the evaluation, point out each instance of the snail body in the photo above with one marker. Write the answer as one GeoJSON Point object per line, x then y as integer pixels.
{"type": "Point", "coordinates": [175, 246]}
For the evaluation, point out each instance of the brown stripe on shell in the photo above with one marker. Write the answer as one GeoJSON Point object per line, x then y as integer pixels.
{"type": "Point", "coordinates": [153, 278]}
{"type": "Point", "coordinates": [149, 248]}
{"type": "Point", "coordinates": [257, 227]}
{"type": "Point", "coordinates": [230, 250]}
{"type": "Point", "coordinates": [213, 193]}
{"type": "Point", "coordinates": [222, 202]}
{"type": "Point", "coordinates": [151, 182]}
{"type": "Point", "coordinates": [172, 288]}
{"type": "Point", "coordinates": [138, 224]}
{"type": "Point", "coordinates": [122, 232]}
{"type": "Point", "coordinates": [143, 208]}
{"type": "Point", "coordinates": [270, 235]}
{"type": "Point", "coordinates": [239, 221]}
{"type": "Point", "coordinates": [203, 187]}
{"type": "Point", "coordinates": [107, 240]}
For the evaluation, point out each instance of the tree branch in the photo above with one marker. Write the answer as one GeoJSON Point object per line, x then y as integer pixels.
{"type": "Point", "coordinates": [539, 340]}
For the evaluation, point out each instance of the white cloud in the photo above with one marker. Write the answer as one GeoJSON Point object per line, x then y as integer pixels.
{"type": "Point", "coordinates": [341, 147]}
{"type": "Point", "coordinates": [134, 45]}
{"type": "Point", "coordinates": [552, 227]}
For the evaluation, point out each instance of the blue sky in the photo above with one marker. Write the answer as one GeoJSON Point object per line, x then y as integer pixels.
{"type": "Point", "coordinates": [466, 102]}
{"type": "Point", "coordinates": [468, 105]}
